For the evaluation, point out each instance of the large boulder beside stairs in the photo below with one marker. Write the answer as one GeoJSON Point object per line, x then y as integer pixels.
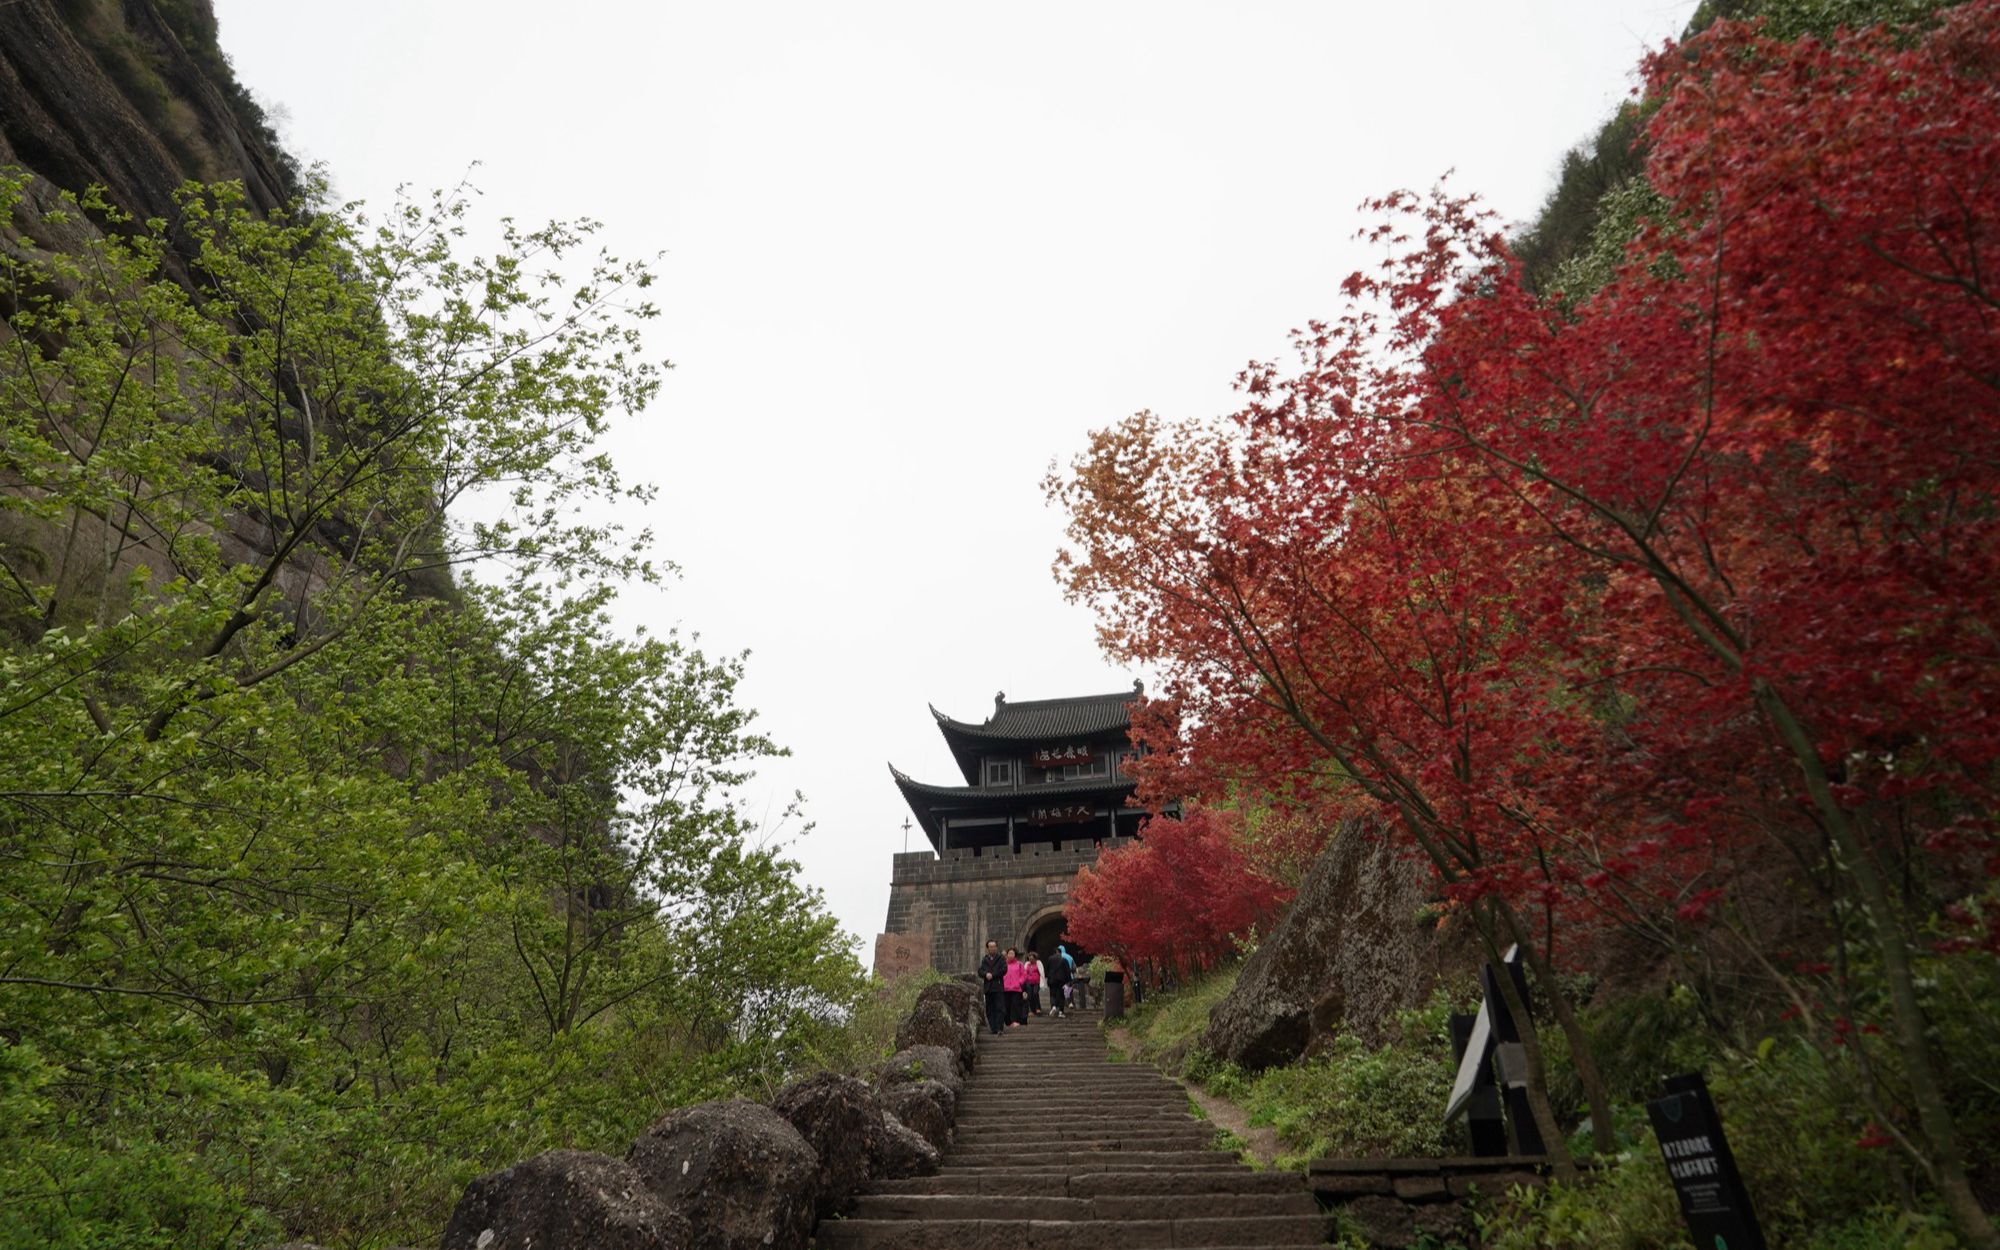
{"type": "Point", "coordinates": [840, 1117]}
{"type": "Point", "coordinates": [565, 1200]}
{"type": "Point", "coordinates": [902, 1152]}
{"type": "Point", "coordinates": [961, 998]}
{"type": "Point", "coordinates": [924, 1063]}
{"type": "Point", "coordinates": [932, 1024]}
{"type": "Point", "coordinates": [739, 1171]}
{"type": "Point", "coordinates": [926, 1106]}
{"type": "Point", "coordinates": [1349, 955]}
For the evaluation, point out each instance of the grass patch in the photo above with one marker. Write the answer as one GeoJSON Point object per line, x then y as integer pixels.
{"type": "Point", "coordinates": [1350, 1101]}
{"type": "Point", "coordinates": [1168, 1026]}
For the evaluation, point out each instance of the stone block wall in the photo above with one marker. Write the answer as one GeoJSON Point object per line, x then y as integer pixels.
{"type": "Point", "coordinates": [961, 899]}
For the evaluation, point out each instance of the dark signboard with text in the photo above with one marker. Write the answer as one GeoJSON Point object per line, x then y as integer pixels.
{"type": "Point", "coordinates": [1703, 1171]}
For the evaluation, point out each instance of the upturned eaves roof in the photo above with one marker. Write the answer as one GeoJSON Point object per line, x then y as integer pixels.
{"type": "Point", "coordinates": [1031, 721]}
{"type": "Point", "coordinates": [925, 800]}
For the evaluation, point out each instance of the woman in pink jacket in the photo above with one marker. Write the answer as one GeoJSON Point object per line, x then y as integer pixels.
{"type": "Point", "coordinates": [1013, 985]}
{"type": "Point", "coordinates": [1034, 986]}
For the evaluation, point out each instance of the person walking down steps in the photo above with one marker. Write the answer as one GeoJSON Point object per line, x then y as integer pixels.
{"type": "Point", "coordinates": [992, 979]}
{"type": "Point", "coordinates": [1059, 1148]}
{"type": "Point", "coordinates": [1058, 981]}
{"type": "Point", "coordinates": [1034, 982]}
{"type": "Point", "coordinates": [1014, 984]}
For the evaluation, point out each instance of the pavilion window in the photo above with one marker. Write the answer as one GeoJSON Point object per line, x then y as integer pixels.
{"type": "Point", "coordinates": [1097, 766]}
{"type": "Point", "coordinates": [999, 772]}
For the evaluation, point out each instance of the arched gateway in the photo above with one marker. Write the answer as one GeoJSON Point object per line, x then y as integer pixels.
{"type": "Point", "coordinates": [1045, 792]}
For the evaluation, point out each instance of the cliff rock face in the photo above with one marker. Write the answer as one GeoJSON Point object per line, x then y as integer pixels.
{"type": "Point", "coordinates": [1349, 954]}
{"type": "Point", "coordinates": [131, 95]}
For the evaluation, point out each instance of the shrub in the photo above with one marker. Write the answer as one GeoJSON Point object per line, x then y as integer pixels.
{"type": "Point", "coordinates": [1626, 1205]}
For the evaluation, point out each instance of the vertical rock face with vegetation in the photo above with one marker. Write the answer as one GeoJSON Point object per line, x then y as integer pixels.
{"type": "Point", "coordinates": [136, 98]}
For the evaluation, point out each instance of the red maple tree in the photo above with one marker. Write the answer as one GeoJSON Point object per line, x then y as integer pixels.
{"type": "Point", "coordinates": [1181, 898]}
{"type": "Point", "coordinates": [1601, 597]}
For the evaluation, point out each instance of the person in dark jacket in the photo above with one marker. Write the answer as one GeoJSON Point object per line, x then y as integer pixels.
{"type": "Point", "coordinates": [1056, 973]}
{"type": "Point", "coordinates": [992, 973]}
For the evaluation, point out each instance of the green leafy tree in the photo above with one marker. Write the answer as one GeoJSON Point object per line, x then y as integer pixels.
{"type": "Point", "coordinates": [346, 849]}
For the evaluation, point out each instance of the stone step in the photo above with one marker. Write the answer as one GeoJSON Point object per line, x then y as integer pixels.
{"type": "Point", "coordinates": [1145, 1139]}
{"type": "Point", "coordinates": [1075, 1111]}
{"type": "Point", "coordinates": [1051, 1061]}
{"type": "Point", "coordinates": [1001, 1134]}
{"type": "Point", "coordinates": [1017, 1234]}
{"type": "Point", "coordinates": [983, 1093]}
{"type": "Point", "coordinates": [1066, 1119]}
{"type": "Point", "coordinates": [1085, 1160]}
{"type": "Point", "coordinates": [1049, 1181]}
{"type": "Point", "coordinates": [1081, 1104]}
{"type": "Point", "coordinates": [1093, 1127]}
{"type": "Point", "coordinates": [1065, 1112]}
{"type": "Point", "coordinates": [1000, 1129]}
{"type": "Point", "coordinates": [1058, 1148]}
{"type": "Point", "coordinates": [1016, 1053]}
{"type": "Point", "coordinates": [1066, 1076]}
{"type": "Point", "coordinates": [1060, 1076]}
{"type": "Point", "coordinates": [1101, 1095]}
{"type": "Point", "coordinates": [974, 1155]}
{"type": "Point", "coordinates": [1038, 1207]}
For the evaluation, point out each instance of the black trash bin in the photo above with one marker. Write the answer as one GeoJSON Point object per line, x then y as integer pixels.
{"type": "Point", "coordinates": [1114, 995]}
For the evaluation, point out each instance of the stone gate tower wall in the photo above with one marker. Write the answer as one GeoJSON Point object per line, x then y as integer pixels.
{"type": "Point", "coordinates": [943, 908]}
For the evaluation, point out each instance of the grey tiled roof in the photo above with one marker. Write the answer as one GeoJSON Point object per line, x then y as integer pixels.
{"type": "Point", "coordinates": [1045, 719]}
{"type": "Point", "coordinates": [926, 800]}
{"type": "Point", "coordinates": [1024, 796]}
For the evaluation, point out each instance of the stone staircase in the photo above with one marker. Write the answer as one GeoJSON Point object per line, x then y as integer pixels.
{"type": "Point", "coordinates": [1059, 1147]}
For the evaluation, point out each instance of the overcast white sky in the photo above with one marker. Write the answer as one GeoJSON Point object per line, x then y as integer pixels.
{"type": "Point", "coordinates": [915, 251]}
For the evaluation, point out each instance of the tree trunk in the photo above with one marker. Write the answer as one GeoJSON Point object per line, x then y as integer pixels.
{"type": "Point", "coordinates": [1561, 1165]}
{"type": "Point", "coordinates": [1926, 1091]}
{"type": "Point", "coordinates": [1603, 1140]}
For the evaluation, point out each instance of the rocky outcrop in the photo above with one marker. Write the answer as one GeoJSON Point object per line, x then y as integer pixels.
{"type": "Point", "coordinates": [925, 1106]}
{"type": "Point", "coordinates": [1352, 951]}
{"type": "Point", "coordinates": [840, 1117]}
{"type": "Point", "coordinates": [932, 1024]}
{"type": "Point", "coordinates": [564, 1198]}
{"type": "Point", "coordinates": [741, 1174]}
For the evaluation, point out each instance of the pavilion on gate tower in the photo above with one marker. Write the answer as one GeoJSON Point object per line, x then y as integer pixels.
{"type": "Point", "coordinates": [1045, 791]}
